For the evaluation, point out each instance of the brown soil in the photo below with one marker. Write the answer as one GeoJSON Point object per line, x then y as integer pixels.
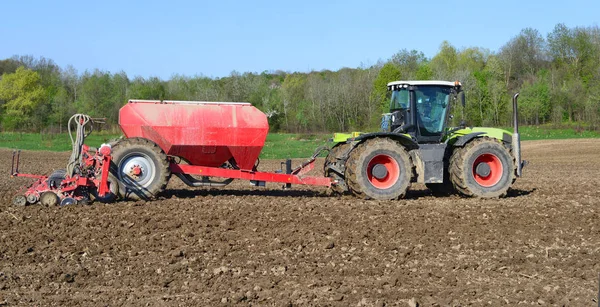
{"type": "Point", "coordinates": [255, 246]}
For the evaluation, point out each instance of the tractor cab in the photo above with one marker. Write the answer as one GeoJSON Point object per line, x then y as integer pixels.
{"type": "Point", "coordinates": [421, 108]}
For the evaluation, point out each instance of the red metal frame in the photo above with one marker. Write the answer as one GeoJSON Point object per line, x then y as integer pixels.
{"type": "Point", "coordinates": [293, 178]}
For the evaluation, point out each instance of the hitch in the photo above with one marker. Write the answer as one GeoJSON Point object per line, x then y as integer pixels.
{"type": "Point", "coordinates": [14, 169]}
{"type": "Point", "coordinates": [15, 160]}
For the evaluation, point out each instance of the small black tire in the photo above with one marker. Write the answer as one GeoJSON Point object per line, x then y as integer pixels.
{"type": "Point", "coordinates": [499, 173]}
{"type": "Point", "coordinates": [140, 167]}
{"type": "Point", "coordinates": [112, 195]}
{"type": "Point", "coordinates": [396, 171]}
{"type": "Point", "coordinates": [56, 178]}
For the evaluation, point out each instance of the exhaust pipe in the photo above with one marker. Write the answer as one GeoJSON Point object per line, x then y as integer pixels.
{"type": "Point", "coordinates": [516, 140]}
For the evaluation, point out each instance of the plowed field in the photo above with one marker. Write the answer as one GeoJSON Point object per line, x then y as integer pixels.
{"type": "Point", "coordinates": [244, 245]}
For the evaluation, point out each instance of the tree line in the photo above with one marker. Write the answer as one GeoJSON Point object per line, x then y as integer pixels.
{"type": "Point", "coordinates": [557, 75]}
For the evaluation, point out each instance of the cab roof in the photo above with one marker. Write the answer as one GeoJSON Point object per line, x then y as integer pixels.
{"type": "Point", "coordinates": [426, 82]}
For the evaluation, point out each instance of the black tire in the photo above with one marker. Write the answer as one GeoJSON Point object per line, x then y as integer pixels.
{"type": "Point", "coordinates": [152, 166]}
{"type": "Point", "coordinates": [332, 160]}
{"type": "Point", "coordinates": [500, 164]}
{"type": "Point", "coordinates": [363, 159]}
{"type": "Point", "coordinates": [112, 195]}
{"type": "Point", "coordinates": [56, 178]}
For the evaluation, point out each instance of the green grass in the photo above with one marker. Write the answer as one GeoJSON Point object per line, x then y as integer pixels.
{"type": "Point", "coordinates": [549, 133]}
{"type": "Point", "coordinates": [277, 146]}
{"type": "Point", "coordinates": [282, 146]}
{"type": "Point", "coordinates": [50, 142]}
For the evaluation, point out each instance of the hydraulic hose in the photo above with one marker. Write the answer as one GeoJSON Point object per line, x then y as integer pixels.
{"type": "Point", "coordinates": [80, 121]}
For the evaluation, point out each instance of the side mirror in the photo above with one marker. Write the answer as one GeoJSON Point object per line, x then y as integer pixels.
{"type": "Point", "coordinates": [461, 97]}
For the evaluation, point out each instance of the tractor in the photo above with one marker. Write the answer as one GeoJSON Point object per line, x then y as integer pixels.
{"type": "Point", "coordinates": [417, 144]}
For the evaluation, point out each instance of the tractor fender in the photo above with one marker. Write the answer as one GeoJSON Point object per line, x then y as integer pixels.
{"type": "Point", "coordinates": [345, 148]}
{"type": "Point", "coordinates": [403, 139]}
{"type": "Point", "coordinates": [462, 140]}
{"type": "Point", "coordinates": [466, 138]}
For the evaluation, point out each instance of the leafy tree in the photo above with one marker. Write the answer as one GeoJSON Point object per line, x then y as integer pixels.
{"type": "Point", "coordinates": [388, 73]}
{"type": "Point", "coordinates": [409, 62]}
{"type": "Point", "coordinates": [444, 64]}
{"type": "Point", "coordinates": [22, 93]}
{"type": "Point", "coordinates": [535, 99]}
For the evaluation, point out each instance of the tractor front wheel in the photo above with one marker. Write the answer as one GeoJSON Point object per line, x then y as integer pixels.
{"type": "Point", "coordinates": [379, 169]}
{"type": "Point", "coordinates": [482, 168]}
{"type": "Point", "coordinates": [140, 167]}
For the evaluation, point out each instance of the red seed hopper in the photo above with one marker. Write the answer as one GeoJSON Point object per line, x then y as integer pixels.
{"type": "Point", "coordinates": [202, 133]}
{"type": "Point", "coordinates": [185, 138]}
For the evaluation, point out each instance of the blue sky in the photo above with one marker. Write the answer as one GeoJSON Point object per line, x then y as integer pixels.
{"type": "Point", "coordinates": [214, 38]}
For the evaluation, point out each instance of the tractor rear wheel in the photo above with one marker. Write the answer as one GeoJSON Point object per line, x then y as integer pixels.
{"type": "Point", "coordinates": [379, 169]}
{"type": "Point", "coordinates": [483, 168]}
{"type": "Point", "coordinates": [140, 167]}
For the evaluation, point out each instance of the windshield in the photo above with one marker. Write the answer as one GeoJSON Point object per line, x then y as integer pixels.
{"type": "Point", "coordinates": [432, 106]}
{"type": "Point", "coordinates": [399, 100]}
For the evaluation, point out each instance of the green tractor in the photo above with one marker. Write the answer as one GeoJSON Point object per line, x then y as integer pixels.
{"type": "Point", "coordinates": [416, 144]}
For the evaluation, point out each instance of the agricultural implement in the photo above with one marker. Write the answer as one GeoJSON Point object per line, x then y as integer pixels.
{"type": "Point", "coordinates": [86, 176]}
{"type": "Point", "coordinates": [195, 141]}
{"type": "Point", "coordinates": [213, 143]}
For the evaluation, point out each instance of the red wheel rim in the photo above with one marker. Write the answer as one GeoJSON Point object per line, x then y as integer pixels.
{"type": "Point", "coordinates": [393, 171]}
{"type": "Point", "coordinates": [496, 169]}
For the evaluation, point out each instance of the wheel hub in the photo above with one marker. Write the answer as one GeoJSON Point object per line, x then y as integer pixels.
{"type": "Point", "coordinates": [383, 171]}
{"type": "Point", "coordinates": [487, 170]}
{"type": "Point", "coordinates": [138, 169]}
{"type": "Point", "coordinates": [135, 171]}
{"type": "Point", "coordinates": [379, 171]}
{"type": "Point", "coordinates": [483, 169]}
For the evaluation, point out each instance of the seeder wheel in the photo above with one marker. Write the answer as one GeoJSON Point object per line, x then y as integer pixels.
{"type": "Point", "coordinates": [49, 199]}
{"type": "Point", "coordinates": [113, 191]}
{"type": "Point", "coordinates": [32, 199]}
{"type": "Point", "coordinates": [20, 201]}
{"type": "Point", "coordinates": [68, 201]}
{"type": "Point", "coordinates": [140, 167]}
